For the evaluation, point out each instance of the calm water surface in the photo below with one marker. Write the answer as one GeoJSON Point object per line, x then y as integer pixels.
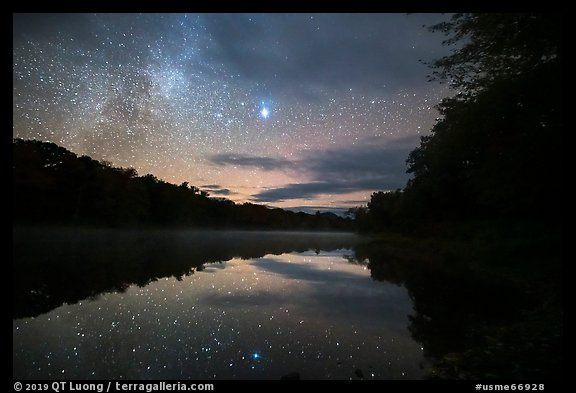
{"type": "Point", "coordinates": [204, 305]}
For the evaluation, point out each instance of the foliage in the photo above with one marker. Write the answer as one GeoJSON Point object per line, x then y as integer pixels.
{"type": "Point", "coordinates": [55, 266]}
{"type": "Point", "coordinates": [484, 308]}
{"type": "Point", "coordinates": [493, 47]}
{"type": "Point", "coordinates": [54, 186]}
{"type": "Point", "coordinates": [485, 269]}
{"type": "Point", "coordinates": [495, 151]}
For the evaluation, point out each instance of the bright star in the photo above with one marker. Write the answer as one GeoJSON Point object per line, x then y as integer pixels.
{"type": "Point", "coordinates": [264, 112]}
{"type": "Point", "coordinates": [256, 355]}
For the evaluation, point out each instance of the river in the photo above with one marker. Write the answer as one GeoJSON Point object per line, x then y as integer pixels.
{"type": "Point", "coordinates": [117, 304]}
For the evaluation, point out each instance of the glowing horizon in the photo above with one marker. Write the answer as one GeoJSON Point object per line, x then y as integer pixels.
{"type": "Point", "coordinates": [318, 111]}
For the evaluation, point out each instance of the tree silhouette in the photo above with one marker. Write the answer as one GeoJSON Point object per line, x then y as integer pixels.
{"type": "Point", "coordinates": [495, 151]}
{"type": "Point", "coordinates": [54, 186]}
{"type": "Point", "coordinates": [494, 47]}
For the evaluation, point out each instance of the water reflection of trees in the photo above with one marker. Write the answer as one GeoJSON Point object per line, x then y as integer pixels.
{"type": "Point", "coordinates": [471, 326]}
{"type": "Point", "coordinates": [53, 267]}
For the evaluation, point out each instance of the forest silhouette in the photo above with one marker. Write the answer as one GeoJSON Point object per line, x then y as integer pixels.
{"type": "Point", "coordinates": [495, 151]}
{"type": "Point", "coordinates": [53, 186]}
{"type": "Point", "coordinates": [475, 236]}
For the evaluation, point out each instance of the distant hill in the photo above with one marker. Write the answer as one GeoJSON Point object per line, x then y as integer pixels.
{"type": "Point", "coordinates": [53, 186]}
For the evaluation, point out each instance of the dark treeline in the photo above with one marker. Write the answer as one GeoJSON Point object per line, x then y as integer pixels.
{"type": "Point", "coordinates": [54, 186]}
{"type": "Point", "coordinates": [484, 201]}
{"type": "Point", "coordinates": [495, 154]}
{"type": "Point", "coordinates": [67, 265]}
{"type": "Point", "coordinates": [471, 324]}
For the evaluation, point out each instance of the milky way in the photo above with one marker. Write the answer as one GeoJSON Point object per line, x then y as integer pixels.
{"type": "Point", "coordinates": [287, 110]}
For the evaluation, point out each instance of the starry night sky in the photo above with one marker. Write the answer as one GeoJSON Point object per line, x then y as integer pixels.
{"type": "Point", "coordinates": [290, 110]}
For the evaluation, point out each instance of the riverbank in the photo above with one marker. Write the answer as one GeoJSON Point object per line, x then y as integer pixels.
{"type": "Point", "coordinates": [488, 297]}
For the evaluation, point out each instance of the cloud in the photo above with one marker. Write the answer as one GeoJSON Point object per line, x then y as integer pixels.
{"type": "Point", "coordinates": [342, 171]}
{"type": "Point", "coordinates": [362, 164]}
{"type": "Point", "coordinates": [223, 191]}
{"type": "Point", "coordinates": [216, 189]}
{"type": "Point", "coordinates": [313, 189]}
{"type": "Point", "coordinates": [367, 167]}
{"type": "Point", "coordinates": [340, 211]}
{"type": "Point", "coordinates": [308, 53]}
{"type": "Point", "coordinates": [264, 163]}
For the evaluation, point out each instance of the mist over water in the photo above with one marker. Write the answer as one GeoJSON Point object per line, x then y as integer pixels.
{"type": "Point", "coordinates": [199, 304]}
